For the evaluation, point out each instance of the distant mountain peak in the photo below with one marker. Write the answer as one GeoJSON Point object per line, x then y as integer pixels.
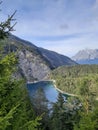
{"type": "Point", "coordinates": [86, 56]}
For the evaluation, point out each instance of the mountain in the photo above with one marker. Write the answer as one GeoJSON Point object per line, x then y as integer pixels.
{"type": "Point", "coordinates": [35, 63]}
{"type": "Point", "coordinates": [87, 56]}
{"type": "Point", "coordinates": [54, 59]}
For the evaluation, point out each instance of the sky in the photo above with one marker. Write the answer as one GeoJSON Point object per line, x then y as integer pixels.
{"type": "Point", "coordinates": [64, 26]}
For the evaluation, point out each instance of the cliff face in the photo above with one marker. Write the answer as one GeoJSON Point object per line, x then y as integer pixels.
{"type": "Point", "coordinates": [32, 66]}
{"type": "Point", "coordinates": [34, 63]}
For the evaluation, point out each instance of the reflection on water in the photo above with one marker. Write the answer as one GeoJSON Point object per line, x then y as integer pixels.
{"type": "Point", "coordinates": [50, 91]}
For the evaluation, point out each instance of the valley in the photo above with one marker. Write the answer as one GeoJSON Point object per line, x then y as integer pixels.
{"type": "Point", "coordinates": [43, 89]}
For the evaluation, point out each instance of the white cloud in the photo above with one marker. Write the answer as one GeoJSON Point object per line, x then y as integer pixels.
{"type": "Point", "coordinates": [70, 46]}
{"type": "Point", "coordinates": [95, 6]}
{"type": "Point", "coordinates": [41, 18]}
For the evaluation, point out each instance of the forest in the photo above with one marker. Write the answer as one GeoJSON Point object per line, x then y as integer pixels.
{"type": "Point", "coordinates": [70, 79]}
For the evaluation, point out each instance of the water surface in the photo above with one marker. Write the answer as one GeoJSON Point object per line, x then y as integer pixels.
{"type": "Point", "coordinates": [48, 87]}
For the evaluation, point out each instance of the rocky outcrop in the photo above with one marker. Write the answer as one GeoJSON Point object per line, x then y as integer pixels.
{"type": "Point", "coordinates": [34, 63]}
{"type": "Point", "coordinates": [32, 66]}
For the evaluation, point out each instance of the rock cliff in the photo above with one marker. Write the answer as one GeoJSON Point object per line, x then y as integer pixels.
{"type": "Point", "coordinates": [34, 63]}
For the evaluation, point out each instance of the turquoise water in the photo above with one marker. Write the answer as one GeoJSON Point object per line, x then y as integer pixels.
{"type": "Point", "coordinates": [50, 91]}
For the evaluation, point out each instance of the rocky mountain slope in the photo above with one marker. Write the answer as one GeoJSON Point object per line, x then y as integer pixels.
{"type": "Point", "coordinates": [34, 63]}
{"type": "Point", "coordinates": [54, 59]}
{"type": "Point", "coordinates": [87, 56]}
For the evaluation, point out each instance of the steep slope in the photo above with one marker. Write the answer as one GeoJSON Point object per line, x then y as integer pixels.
{"type": "Point", "coordinates": [56, 59]}
{"type": "Point", "coordinates": [31, 64]}
{"type": "Point", "coordinates": [87, 56]}
{"type": "Point", "coordinates": [34, 63]}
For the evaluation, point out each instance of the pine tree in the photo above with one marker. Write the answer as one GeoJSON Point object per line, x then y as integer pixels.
{"type": "Point", "coordinates": [40, 106]}
{"type": "Point", "coordinates": [58, 118]}
{"type": "Point", "coordinates": [87, 98]}
{"type": "Point", "coordinates": [16, 111]}
{"type": "Point", "coordinates": [7, 26]}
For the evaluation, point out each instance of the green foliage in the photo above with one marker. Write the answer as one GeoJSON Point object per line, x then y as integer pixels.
{"type": "Point", "coordinates": [16, 111]}
{"type": "Point", "coordinates": [5, 121]}
{"type": "Point", "coordinates": [69, 79]}
{"type": "Point", "coordinates": [6, 26]}
{"type": "Point", "coordinates": [62, 117]}
{"type": "Point", "coordinates": [95, 115]}
{"type": "Point", "coordinates": [15, 107]}
{"type": "Point", "coordinates": [82, 81]}
{"type": "Point", "coordinates": [87, 94]}
{"type": "Point", "coordinates": [58, 116]}
{"type": "Point", "coordinates": [40, 102]}
{"type": "Point", "coordinates": [31, 125]}
{"type": "Point", "coordinates": [87, 122]}
{"type": "Point", "coordinates": [40, 106]}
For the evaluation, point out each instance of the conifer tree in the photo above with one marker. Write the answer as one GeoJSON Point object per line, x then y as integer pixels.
{"type": "Point", "coordinates": [16, 112]}
{"type": "Point", "coordinates": [40, 106]}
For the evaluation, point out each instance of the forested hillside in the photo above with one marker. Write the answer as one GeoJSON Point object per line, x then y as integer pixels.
{"type": "Point", "coordinates": [70, 79]}
{"type": "Point", "coordinates": [82, 81]}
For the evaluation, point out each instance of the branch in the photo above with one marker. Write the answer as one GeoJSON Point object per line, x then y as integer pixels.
{"type": "Point", "coordinates": [6, 27]}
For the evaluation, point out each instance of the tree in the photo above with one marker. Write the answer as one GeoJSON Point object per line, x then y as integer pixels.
{"type": "Point", "coordinates": [85, 123]}
{"type": "Point", "coordinates": [62, 115]}
{"type": "Point", "coordinates": [6, 26]}
{"type": "Point", "coordinates": [15, 108]}
{"type": "Point", "coordinates": [57, 116]}
{"type": "Point", "coordinates": [40, 106]}
{"type": "Point", "coordinates": [16, 111]}
{"type": "Point", "coordinates": [87, 96]}
{"type": "Point", "coordinates": [65, 113]}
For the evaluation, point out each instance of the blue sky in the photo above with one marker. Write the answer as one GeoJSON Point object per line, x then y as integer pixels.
{"type": "Point", "coordinates": [64, 26]}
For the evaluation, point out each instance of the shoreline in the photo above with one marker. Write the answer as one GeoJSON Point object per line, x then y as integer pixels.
{"type": "Point", "coordinates": [29, 82]}
{"type": "Point", "coordinates": [54, 84]}
{"type": "Point", "coordinates": [68, 94]}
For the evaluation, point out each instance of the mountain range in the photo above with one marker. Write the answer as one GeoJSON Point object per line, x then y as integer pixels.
{"type": "Point", "coordinates": [86, 56]}
{"type": "Point", "coordinates": [35, 63]}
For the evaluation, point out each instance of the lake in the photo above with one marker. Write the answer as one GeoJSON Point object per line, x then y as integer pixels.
{"type": "Point", "coordinates": [48, 87]}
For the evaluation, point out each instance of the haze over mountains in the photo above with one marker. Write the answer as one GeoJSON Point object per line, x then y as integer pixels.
{"type": "Point", "coordinates": [86, 56]}
{"type": "Point", "coordinates": [35, 63]}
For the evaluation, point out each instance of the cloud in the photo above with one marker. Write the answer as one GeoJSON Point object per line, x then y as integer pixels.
{"type": "Point", "coordinates": [61, 25]}
{"type": "Point", "coordinates": [70, 46]}
{"type": "Point", "coordinates": [95, 5]}
{"type": "Point", "coordinates": [43, 16]}
{"type": "Point", "coordinates": [64, 26]}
